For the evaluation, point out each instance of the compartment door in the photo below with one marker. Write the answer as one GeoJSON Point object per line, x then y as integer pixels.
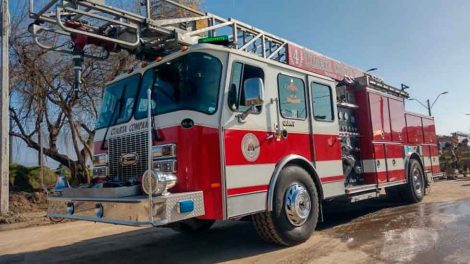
{"type": "Point", "coordinates": [395, 162]}
{"type": "Point", "coordinates": [397, 119]}
{"type": "Point", "coordinates": [375, 170]}
{"type": "Point", "coordinates": [429, 131]}
{"type": "Point", "coordinates": [380, 162]}
{"type": "Point", "coordinates": [414, 129]}
{"type": "Point", "coordinates": [435, 166]}
{"type": "Point", "coordinates": [427, 157]}
{"type": "Point", "coordinates": [380, 117]}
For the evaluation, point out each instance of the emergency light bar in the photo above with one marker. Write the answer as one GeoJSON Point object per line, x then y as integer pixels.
{"type": "Point", "coordinates": [220, 40]}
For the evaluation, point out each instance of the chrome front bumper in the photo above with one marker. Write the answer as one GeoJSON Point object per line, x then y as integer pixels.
{"type": "Point", "coordinates": [133, 211]}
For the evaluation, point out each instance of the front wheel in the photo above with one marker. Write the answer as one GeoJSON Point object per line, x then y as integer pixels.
{"type": "Point", "coordinates": [295, 209]}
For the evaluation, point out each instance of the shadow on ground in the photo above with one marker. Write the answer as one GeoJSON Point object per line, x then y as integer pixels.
{"type": "Point", "coordinates": [224, 242]}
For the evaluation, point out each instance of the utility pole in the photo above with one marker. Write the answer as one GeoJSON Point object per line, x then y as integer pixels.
{"type": "Point", "coordinates": [428, 104]}
{"type": "Point", "coordinates": [4, 112]}
{"type": "Point", "coordinates": [429, 107]}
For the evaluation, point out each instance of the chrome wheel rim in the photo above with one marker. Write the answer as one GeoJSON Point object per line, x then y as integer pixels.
{"type": "Point", "coordinates": [298, 204]}
{"type": "Point", "coordinates": [417, 181]}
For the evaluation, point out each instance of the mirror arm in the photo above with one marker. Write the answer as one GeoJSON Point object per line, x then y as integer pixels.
{"type": "Point", "coordinates": [279, 130]}
{"type": "Point", "coordinates": [242, 117]}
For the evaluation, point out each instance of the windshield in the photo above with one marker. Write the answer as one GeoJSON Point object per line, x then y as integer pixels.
{"type": "Point", "coordinates": [118, 102]}
{"type": "Point", "coordinates": [190, 82]}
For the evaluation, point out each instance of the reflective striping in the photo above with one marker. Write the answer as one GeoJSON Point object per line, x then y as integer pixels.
{"type": "Point", "coordinates": [246, 204]}
{"type": "Point", "coordinates": [332, 179]}
{"type": "Point", "coordinates": [169, 120]}
{"type": "Point", "coordinates": [427, 161]}
{"type": "Point", "coordinates": [371, 165]}
{"type": "Point", "coordinates": [249, 175]}
{"type": "Point", "coordinates": [248, 179]}
{"type": "Point", "coordinates": [239, 176]}
{"type": "Point", "coordinates": [332, 189]}
{"type": "Point", "coordinates": [331, 168]}
{"type": "Point", "coordinates": [395, 164]}
{"type": "Point", "coordinates": [247, 190]}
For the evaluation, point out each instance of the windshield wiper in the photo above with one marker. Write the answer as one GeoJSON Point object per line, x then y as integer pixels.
{"type": "Point", "coordinates": [159, 88]}
{"type": "Point", "coordinates": [113, 117]}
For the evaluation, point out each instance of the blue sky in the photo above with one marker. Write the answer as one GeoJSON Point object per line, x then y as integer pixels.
{"type": "Point", "coordinates": [422, 43]}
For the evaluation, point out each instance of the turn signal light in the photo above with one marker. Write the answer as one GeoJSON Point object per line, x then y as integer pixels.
{"type": "Point", "coordinates": [164, 151]}
{"type": "Point", "coordinates": [101, 159]}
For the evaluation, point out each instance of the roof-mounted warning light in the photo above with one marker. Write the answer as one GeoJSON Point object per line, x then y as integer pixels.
{"type": "Point", "coordinates": [219, 40]}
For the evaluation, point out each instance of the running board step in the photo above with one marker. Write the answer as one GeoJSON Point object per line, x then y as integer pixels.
{"type": "Point", "coordinates": [364, 196]}
{"type": "Point", "coordinates": [362, 188]}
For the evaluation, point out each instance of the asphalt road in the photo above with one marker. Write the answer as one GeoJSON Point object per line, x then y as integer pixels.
{"type": "Point", "coordinates": [434, 231]}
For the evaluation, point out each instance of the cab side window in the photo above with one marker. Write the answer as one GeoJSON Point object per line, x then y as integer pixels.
{"type": "Point", "coordinates": [240, 74]}
{"type": "Point", "coordinates": [292, 97]}
{"type": "Point", "coordinates": [322, 102]}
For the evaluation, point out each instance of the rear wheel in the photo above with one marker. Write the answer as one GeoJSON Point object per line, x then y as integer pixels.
{"type": "Point", "coordinates": [413, 191]}
{"type": "Point", "coordinates": [295, 209]}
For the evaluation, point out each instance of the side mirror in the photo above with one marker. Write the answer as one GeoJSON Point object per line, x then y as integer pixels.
{"type": "Point", "coordinates": [253, 89]}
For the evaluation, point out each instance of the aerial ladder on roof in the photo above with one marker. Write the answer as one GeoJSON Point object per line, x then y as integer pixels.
{"type": "Point", "coordinates": [93, 29]}
{"type": "Point", "coordinates": [92, 22]}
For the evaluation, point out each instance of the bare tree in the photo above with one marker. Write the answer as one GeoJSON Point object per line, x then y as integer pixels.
{"type": "Point", "coordinates": [42, 93]}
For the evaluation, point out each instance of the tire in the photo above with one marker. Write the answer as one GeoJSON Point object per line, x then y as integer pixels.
{"type": "Point", "coordinates": [413, 191]}
{"type": "Point", "coordinates": [193, 226]}
{"type": "Point", "coordinates": [295, 209]}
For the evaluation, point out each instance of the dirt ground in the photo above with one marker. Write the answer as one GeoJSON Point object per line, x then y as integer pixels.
{"type": "Point", "coordinates": [434, 231]}
{"type": "Point", "coordinates": [26, 209]}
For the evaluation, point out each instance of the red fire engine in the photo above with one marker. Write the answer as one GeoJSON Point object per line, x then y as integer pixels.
{"type": "Point", "coordinates": [221, 127]}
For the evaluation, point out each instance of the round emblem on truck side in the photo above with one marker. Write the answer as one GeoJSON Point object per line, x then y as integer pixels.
{"type": "Point", "coordinates": [250, 147]}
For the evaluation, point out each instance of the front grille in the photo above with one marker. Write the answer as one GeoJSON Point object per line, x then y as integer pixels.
{"type": "Point", "coordinates": [123, 145]}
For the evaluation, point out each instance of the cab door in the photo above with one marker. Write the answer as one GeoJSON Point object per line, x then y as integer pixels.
{"type": "Point", "coordinates": [247, 163]}
{"type": "Point", "coordinates": [325, 135]}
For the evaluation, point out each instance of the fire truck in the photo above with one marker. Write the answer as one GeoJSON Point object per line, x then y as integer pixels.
{"type": "Point", "coordinates": [225, 121]}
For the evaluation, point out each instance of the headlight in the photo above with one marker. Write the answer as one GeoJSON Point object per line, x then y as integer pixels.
{"type": "Point", "coordinates": [164, 165]}
{"type": "Point", "coordinates": [155, 182]}
{"type": "Point", "coordinates": [100, 160]}
{"type": "Point", "coordinates": [164, 151]}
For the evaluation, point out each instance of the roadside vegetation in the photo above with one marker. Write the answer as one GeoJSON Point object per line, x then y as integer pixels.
{"type": "Point", "coordinates": [28, 202]}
